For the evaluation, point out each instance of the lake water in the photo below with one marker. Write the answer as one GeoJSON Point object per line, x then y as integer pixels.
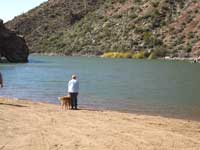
{"type": "Point", "coordinates": [167, 88]}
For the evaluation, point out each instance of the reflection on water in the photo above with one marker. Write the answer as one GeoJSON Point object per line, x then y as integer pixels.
{"type": "Point", "coordinates": [142, 86]}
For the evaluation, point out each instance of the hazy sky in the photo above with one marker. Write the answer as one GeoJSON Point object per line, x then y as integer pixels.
{"type": "Point", "coordinates": [11, 8]}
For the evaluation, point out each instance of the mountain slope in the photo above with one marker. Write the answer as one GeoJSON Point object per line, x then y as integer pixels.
{"type": "Point", "coordinates": [166, 27]}
{"type": "Point", "coordinates": [49, 18]}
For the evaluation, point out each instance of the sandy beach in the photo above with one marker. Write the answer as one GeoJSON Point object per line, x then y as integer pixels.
{"type": "Point", "coordinates": [26, 125]}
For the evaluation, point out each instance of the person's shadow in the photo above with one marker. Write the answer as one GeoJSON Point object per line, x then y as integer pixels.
{"type": "Point", "coordinates": [15, 105]}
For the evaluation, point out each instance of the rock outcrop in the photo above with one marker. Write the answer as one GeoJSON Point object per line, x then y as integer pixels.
{"type": "Point", "coordinates": [12, 46]}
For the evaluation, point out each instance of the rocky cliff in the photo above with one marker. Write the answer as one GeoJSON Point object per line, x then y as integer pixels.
{"type": "Point", "coordinates": [12, 47]}
{"type": "Point", "coordinates": [166, 27]}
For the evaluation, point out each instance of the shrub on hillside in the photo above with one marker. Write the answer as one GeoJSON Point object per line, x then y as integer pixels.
{"type": "Point", "coordinates": [160, 52]}
{"type": "Point", "coordinates": [151, 40]}
{"type": "Point", "coordinates": [155, 3]}
{"type": "Point", "coordinates": [122, 1]}
{"type": "Point", "coordinates": [133, 15]}
{"type": "Point", "coordinates": [188, 48]}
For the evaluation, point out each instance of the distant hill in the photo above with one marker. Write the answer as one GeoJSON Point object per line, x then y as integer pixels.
{"type": "Point", "coordinates": [167, 27]}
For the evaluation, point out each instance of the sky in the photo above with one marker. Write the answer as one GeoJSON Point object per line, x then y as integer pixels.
{"type": "Point", "coordinates": [11, 8]}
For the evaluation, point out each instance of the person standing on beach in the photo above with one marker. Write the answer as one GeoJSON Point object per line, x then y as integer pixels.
{"type": "Point", "coordinates": [73, 89]}
{"type": "Point", "coordinates": [1, 80]}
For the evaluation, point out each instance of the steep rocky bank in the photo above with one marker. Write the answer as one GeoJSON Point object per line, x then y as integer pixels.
{"type": "Point", "coordinates": [12, 46]}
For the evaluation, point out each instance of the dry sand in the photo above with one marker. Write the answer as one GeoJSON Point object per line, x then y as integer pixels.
{"type": "Point", "coordinates": [37, 126]}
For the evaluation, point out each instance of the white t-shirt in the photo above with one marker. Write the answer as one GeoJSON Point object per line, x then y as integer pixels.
{"type": "Point", "coordinates": [73, 86]}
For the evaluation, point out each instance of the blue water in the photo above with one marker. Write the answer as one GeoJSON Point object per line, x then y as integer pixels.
{"type": "Point", "coordinates": [167, 88]}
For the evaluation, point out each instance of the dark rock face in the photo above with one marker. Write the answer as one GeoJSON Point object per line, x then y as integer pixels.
{"type": "Point", "coordinates": [12, 47]}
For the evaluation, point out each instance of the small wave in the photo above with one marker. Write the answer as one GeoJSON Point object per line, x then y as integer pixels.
{"type": "Point", "coordinates": [9, 97]}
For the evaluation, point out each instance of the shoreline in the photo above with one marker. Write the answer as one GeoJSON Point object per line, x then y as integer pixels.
{"type": "Point", "coordinates": [34, 125]}
{"type": "Point", "coordinates": [188, 59]}
{"type": "Point", "coordinates": [99, 109]}
{"type": "Point", "coordinates": [61, 54]}
{"type": "Point", "coordinates": [84, 107]}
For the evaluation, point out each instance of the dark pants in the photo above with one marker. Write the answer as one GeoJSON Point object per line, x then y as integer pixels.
{"type": "Point", "coordinates": [74, 100]}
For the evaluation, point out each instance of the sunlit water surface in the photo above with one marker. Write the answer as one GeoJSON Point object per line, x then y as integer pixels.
{"type": "Point", "coordinates": [156, 87]}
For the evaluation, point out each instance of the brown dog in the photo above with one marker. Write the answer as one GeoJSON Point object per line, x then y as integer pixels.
{"type": "Point", "coordinates": [65, 102]}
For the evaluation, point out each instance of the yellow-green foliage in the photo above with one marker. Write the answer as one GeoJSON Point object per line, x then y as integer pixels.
{"type": "Point", "coordinates": [139, 55]}
{"type": "Point", "coordinates": [116, 55]}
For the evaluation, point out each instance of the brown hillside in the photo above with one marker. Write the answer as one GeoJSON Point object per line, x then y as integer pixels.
{"type": "Point", "coordinates": [164, 27]}
{"type": "Point", "coordinates": [50, 17]}
{"type": "Point", "coordinates": [184, 31]}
